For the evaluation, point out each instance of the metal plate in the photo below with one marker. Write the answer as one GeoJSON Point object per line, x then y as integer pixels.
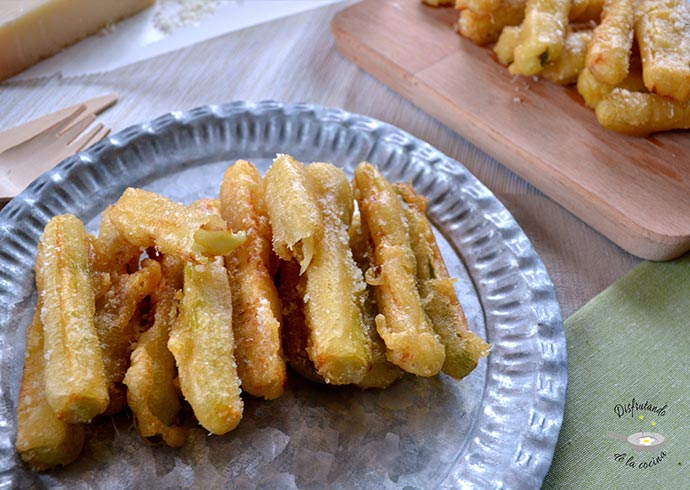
{"type": "Point", "coordinates": [495, 429]}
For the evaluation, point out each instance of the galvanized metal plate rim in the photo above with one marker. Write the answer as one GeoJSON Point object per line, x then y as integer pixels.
{"type": "Point", "coordinates": [513, 436]}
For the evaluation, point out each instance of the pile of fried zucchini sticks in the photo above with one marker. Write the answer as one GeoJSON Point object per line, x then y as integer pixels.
{"type": "Point", "coordinates": [343, 280]}
{"type": "Point", "coordinates": [629, 58]}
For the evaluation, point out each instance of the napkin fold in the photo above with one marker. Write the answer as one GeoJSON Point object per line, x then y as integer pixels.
{"type": "Point", "coordinates": [629, 372]}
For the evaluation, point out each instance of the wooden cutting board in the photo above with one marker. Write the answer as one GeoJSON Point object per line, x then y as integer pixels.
{"type": "Point", "coordinates": [636, 191]}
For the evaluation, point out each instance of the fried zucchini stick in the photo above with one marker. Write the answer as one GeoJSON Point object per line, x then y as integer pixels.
{"type": "Point", "coordinates": [640, 114]}
{"type": "Point", "coordinates": [483, 21]}
{"type": "Point", "coordinates": [484, 28]}
{"type": "Point", "coordinates": [505, 46]}
{"type": "Point", "coordinates": [43, 440]}
{"type": "Point", "coordinates": [116, 255]}
{"type": "Point", "coordinates": [114, 313]}
{"type": "Point", "coordinates": [542, 37]}
{"type": "Point", "coordinates": [74, 374]}
{"type": "Point", "coordinates": [147, 219]}
{"type": "Point", "coordinates": [464, 348]}
{"type": "Point", "coordinates": [292, 208]}
{"type": "Point", "coordinates": [662, 30]}
{"type": "Point", "coordinates": [565, 70]}
{"type": "Point", "coordinates": [151, 392]}
{"type": "Point", "coordinates": [403, 325]}
{"type": "Point", "coordinates": [383, 372]}
{"type": "Point", "coordinates": [334, 287]}
{"type": "Point", "coordinates": [295, 334]}
{"type": "Point", "coordinates": [255, 303]}
{"type": "Point", "coordinates": [202, 342]}
{"type": "Point", "coordinates": [608, 58]}
{"type": "Point", "coordinates": [593, 91]}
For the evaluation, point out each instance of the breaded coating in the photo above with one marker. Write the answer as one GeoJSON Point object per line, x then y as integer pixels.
{"type": "Point", "coordinates": [505, 46]}
{"type": "Point", "coordinates": [566, 69]}
{"type": "Point", "coordinates": [542, 37]}
{"type": "Point", "coordinates": [152, 394]}
{"type": "Point", "coordinates": [593, 91]}
{"type": "Point", "coordinates": [662, 30]}
{"type": "Point", "coordinates": [291, 204]}
{"type": "Point", "coordinates": [334, 287]}
{"type": "Point", "coordinates": [74, 375]}
{"type": "Point", "coordinates": [464, 348]}
{"type": "Point", "coordinates": [116, 255]}
{"type": "Point", "coordinates": [641, 114]}
{"type": "Point", "coordinates": [295, 334]}
{"type": "Point", "coordinates": [383, 372]}
{"type": "Point", "coordinates": [255, 303]}
{"type": "Point", "coordinates": [147, 219]}
{"type": "Point", "coordinates": [484, 28]}
{"type": "Point", "coordinates": [411, 341]}
{"type": "Point", "coordinates": [43, 440]}
{"type": "Point", "coordinates": [608, 58]}
{"type": "Point", "coordinates": [115, 328]}
{"type": "Point", "coordinates": [202, 342]}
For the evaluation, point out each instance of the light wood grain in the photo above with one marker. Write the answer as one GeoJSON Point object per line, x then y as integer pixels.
{"type": "Point", "coordinates": [636, 191]}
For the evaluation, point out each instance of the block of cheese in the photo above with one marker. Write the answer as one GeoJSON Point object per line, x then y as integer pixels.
{"type": "Point", "coordinates": [31, 30]}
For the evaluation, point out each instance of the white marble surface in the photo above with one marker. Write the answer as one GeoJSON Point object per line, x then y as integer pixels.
{"type": "Point", "coordinates": [294, 59]}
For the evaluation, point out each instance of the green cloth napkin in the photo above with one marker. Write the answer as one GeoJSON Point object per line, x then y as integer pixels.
{"type": "Point", "coordinates": [630, 344]}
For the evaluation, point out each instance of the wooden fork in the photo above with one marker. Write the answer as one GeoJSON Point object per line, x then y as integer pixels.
{"type": "Point", "coordinates": [22, 163]}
